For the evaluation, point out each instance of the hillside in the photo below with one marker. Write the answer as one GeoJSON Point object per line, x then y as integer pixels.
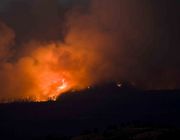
{"type": "Point", "coordinates": [96, 107]}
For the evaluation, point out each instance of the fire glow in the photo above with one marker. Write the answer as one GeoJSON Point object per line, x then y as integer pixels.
{"type": "Point", "coordinates": [54, 71]}
{"type": "Point", "coordinates": [54, 88]}
{"type": "Point", "coordinates": [105, 41]}
{"type": "Point", "coordinates": [47, 69]}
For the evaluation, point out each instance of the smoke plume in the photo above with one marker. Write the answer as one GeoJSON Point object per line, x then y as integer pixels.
{"type": "Point", "coordinates": [53, 49]}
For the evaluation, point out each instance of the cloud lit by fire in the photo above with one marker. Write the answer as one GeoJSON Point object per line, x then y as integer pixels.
{"type": "Point", "coordinates": [86, 45]}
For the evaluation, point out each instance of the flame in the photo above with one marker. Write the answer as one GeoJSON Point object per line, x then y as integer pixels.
{"type": "Point", "coordinates": [55, 88]}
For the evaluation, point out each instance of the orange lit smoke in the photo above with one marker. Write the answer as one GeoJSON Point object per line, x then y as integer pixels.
{"type": "Point", "coordinates": [57, 68]}
{"type": "Point", "coordinates": [111, 40]}
{"type": "Point", "coordinates": [47, 72]}
{"type": "Point", "coordinates": [47, 69]}
{"type": "Point", "coordinates": [92, 52]}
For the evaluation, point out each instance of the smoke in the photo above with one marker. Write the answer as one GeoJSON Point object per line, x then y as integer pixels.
{"type": "Point", "coordinates": [144, 42]}
{"type": "Point", "coordinates": [54, 49]}
{"type": "Point", "coordinates": [6, 39]}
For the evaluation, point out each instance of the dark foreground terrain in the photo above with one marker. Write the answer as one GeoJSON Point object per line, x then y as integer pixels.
{"type": "Point", "coordinates": [105, 112]}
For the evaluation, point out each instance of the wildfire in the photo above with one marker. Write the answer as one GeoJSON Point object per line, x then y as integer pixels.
{"type": "Point", "coordinates": [56, 88]}
{"type": "Point", "coordinates": [46, 69]}
{"type": "Point", "coordinates": [62, 86]}
{"type": "Point", "coordinates": [52, 86]}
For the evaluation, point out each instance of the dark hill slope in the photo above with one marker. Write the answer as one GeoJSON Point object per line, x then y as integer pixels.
{"type": "Point", "coordinates": [93, 108]}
